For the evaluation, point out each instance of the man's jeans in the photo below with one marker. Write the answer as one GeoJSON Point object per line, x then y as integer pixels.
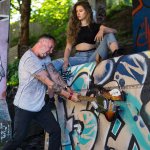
{"type": "Point", "coordinates": [45, 119]}
{"type": "Point", "coordinates": [88, 56]}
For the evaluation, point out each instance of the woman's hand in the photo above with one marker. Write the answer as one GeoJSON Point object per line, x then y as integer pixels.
{"type": "Point", "coordinates": [99, 36]}
{"type": "Point", "coordinates": [66, 55]}
{"type": "Point", "coordinates": [66, 64]}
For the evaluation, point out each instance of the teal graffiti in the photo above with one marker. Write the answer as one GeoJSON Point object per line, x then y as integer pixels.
{"type": "Point", "coordinates": [89, 133]}
{"type": "Point", "coordinates": [116, 127]}
{"type": "Point", "coordinates": [130, 108]}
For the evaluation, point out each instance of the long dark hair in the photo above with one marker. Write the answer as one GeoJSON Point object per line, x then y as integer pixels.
{"type": "Point", "coordinates": [74, 23]}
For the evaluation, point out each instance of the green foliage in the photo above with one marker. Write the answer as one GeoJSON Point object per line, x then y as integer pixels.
{"type": "Point", "coordinates": [111, 12]}
{"type": "Point", "coordinates": [14, 42]}
{"type": "Point", "coordinates": [111, 3]}
{"type": "Point", "coordinates": [114, 7]}
{"type": "Point", "coordinates": [12, 76]}
{"type": "Point", "coordinates": [32, 40]}
{"type": "Point", "coordinates": [53, 16]}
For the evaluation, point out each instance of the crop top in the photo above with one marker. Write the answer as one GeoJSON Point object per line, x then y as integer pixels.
{"type": "Point", "coordinates": [87, 34]}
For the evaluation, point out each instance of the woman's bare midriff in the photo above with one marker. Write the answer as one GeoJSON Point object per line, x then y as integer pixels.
{"type": "Point", "coordinates": [84, 46]}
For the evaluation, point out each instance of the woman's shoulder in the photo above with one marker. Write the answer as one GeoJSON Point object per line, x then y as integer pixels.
{"type": "Point", "coordinates": [95, 24]}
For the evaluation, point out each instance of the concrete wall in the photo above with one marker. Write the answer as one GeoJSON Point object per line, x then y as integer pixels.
{"type": "Point", "coordinates": [84, 128]}
{"type": "Point", "coordinates": [141, 25]}
{"type": "Point", "coordinates": [4, 29]}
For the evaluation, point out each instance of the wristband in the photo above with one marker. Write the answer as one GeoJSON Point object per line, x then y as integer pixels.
{"type": "Point", "coordinates": [70, 96]}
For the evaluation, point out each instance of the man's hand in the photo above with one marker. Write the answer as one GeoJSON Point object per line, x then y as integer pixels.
{"type": "Point", "coordinates": [74, 97]}
{"type": "Point", "coordinates": [68, 89]}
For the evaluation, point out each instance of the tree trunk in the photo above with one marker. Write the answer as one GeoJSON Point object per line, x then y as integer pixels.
{"type": "Point", "coordinates": [24, 33]}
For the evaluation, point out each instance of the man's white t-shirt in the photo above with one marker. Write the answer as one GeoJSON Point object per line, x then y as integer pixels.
{"type": "Point", "coordinates": [31, 91]}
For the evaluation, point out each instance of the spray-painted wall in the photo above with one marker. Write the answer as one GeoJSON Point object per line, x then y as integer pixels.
{"type": "Point", "coordinates": [4, 29]}
{"type": "Point", "coordinates": [83, 128]}
{"type": "Point", "coordinates": [141, 25]}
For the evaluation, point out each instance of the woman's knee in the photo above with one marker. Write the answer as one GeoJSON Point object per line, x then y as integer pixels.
{"type": "Point", "coordinates": [58, 63]}
{"type": "Point", "coordinates": [111, 41]}
{"type": "Point", "coordinates": [110, 37]}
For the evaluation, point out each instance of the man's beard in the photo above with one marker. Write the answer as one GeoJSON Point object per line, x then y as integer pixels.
{"type": "Point", "coordinates": [43, 56]}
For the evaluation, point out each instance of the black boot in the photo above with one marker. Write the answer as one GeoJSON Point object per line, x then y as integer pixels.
{"type": "Point", "coordinates": [117, 52]}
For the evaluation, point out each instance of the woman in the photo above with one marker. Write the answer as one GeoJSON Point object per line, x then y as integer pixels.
{"type": "Point", "coordinates": [83, 35]}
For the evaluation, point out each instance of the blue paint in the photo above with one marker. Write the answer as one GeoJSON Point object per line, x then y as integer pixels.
{"type": "Point", "coordinates": [142, 125]}
{"type": "Point", "coordinates": [142, 64]}
{"type": "Point", "coordinates": [107, 71]}
{"type": "Point", "coordinates": [131, 61]}
{"type": "Point", "coordinates": [131, 107]}
{"type": "Point", "coordinates": [135, 147]}
{"type": "Point", "coordinates": [67, 147]}
{"type": "Point", "coordinates": [138, 76]}
{"type": "Point", "coordinates": [77, 84]}
{"type": "Point", "coordinates": [117, 76]}
{"type": "Point", "coordinates": [149, 137]}
{"type": "Point", "coordinates": [123, 71]}
{"type": "Point", "coordinates": [135, 118]}
{"type": "Point", "coordinates": [108, 66]}
{"type": "Point", "coordinates": [116, 127]}
{"type": "Point", "coordinates": [86, 140]}
{"type": "Point", "coordinates": [122, 82]}
{"type": "Point", "coordinates": [89, 132]}
{"type": "Point", "coordinates": [77, 147]}
{"type": "Point", "coordinates": [140, 31]}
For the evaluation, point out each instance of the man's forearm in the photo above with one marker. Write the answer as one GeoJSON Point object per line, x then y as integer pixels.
{"type": "Point", "coordinates": [44, 78]}
{"type": "Point", "coordinates": [55, 76]}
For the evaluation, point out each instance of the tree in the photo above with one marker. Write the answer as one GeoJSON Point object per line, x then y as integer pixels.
{"type": "Point", "coordinates": [50, 14]}
{"type": "Point", "coordinates": [24, 34]}
{"type": "Point", "coordinates": [53, 16]}
{"type": "Point", "coordinates": [24, 7]}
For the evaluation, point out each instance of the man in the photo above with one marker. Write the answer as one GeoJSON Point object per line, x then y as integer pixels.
{"type": "Point", "coordinates": [36, 75]}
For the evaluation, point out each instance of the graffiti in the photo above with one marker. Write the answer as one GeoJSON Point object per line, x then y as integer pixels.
{"type": "Point", "coordinates": [5, 131]}
{"type": "Point", "coordinates": [85, 132]}
{"type": "Point", "coordinates": [2, 71]}
{"type": "Point", "coordinates": [82, 124]}
{"type": "Point", "coordinates": [5, 127]}
{"type": "Point", "coordinates": [141, 25]}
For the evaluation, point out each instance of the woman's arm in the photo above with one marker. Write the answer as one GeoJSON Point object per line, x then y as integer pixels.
{"type": "Point", "coordinates": [67, 54]}
{"type": "Point", "coordinates": [107, 29]}
{"type": "Point", "coordinates": [103, 30]}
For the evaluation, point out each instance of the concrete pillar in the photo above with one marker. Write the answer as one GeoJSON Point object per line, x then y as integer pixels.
{"type": "Point", "coordinates": [5, 128]}
{"type": "Point", "coordinates": [141, 25]}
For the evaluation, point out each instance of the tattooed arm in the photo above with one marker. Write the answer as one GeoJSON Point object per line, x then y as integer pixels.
{"type": "Point", "coordinates": [55, 76]}
{"type": "Point", "coordinates": [43, 76]}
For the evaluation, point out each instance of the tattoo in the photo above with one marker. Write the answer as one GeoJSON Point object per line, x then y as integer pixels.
{"type": "Point", "coordinates": [40, 77]}
{"type": "Point", "coordinates": [51, 68]}
{"type": "Point", "coordinates": [57, 89]}
{"type": "Point", "coordinates": [55, 76]}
